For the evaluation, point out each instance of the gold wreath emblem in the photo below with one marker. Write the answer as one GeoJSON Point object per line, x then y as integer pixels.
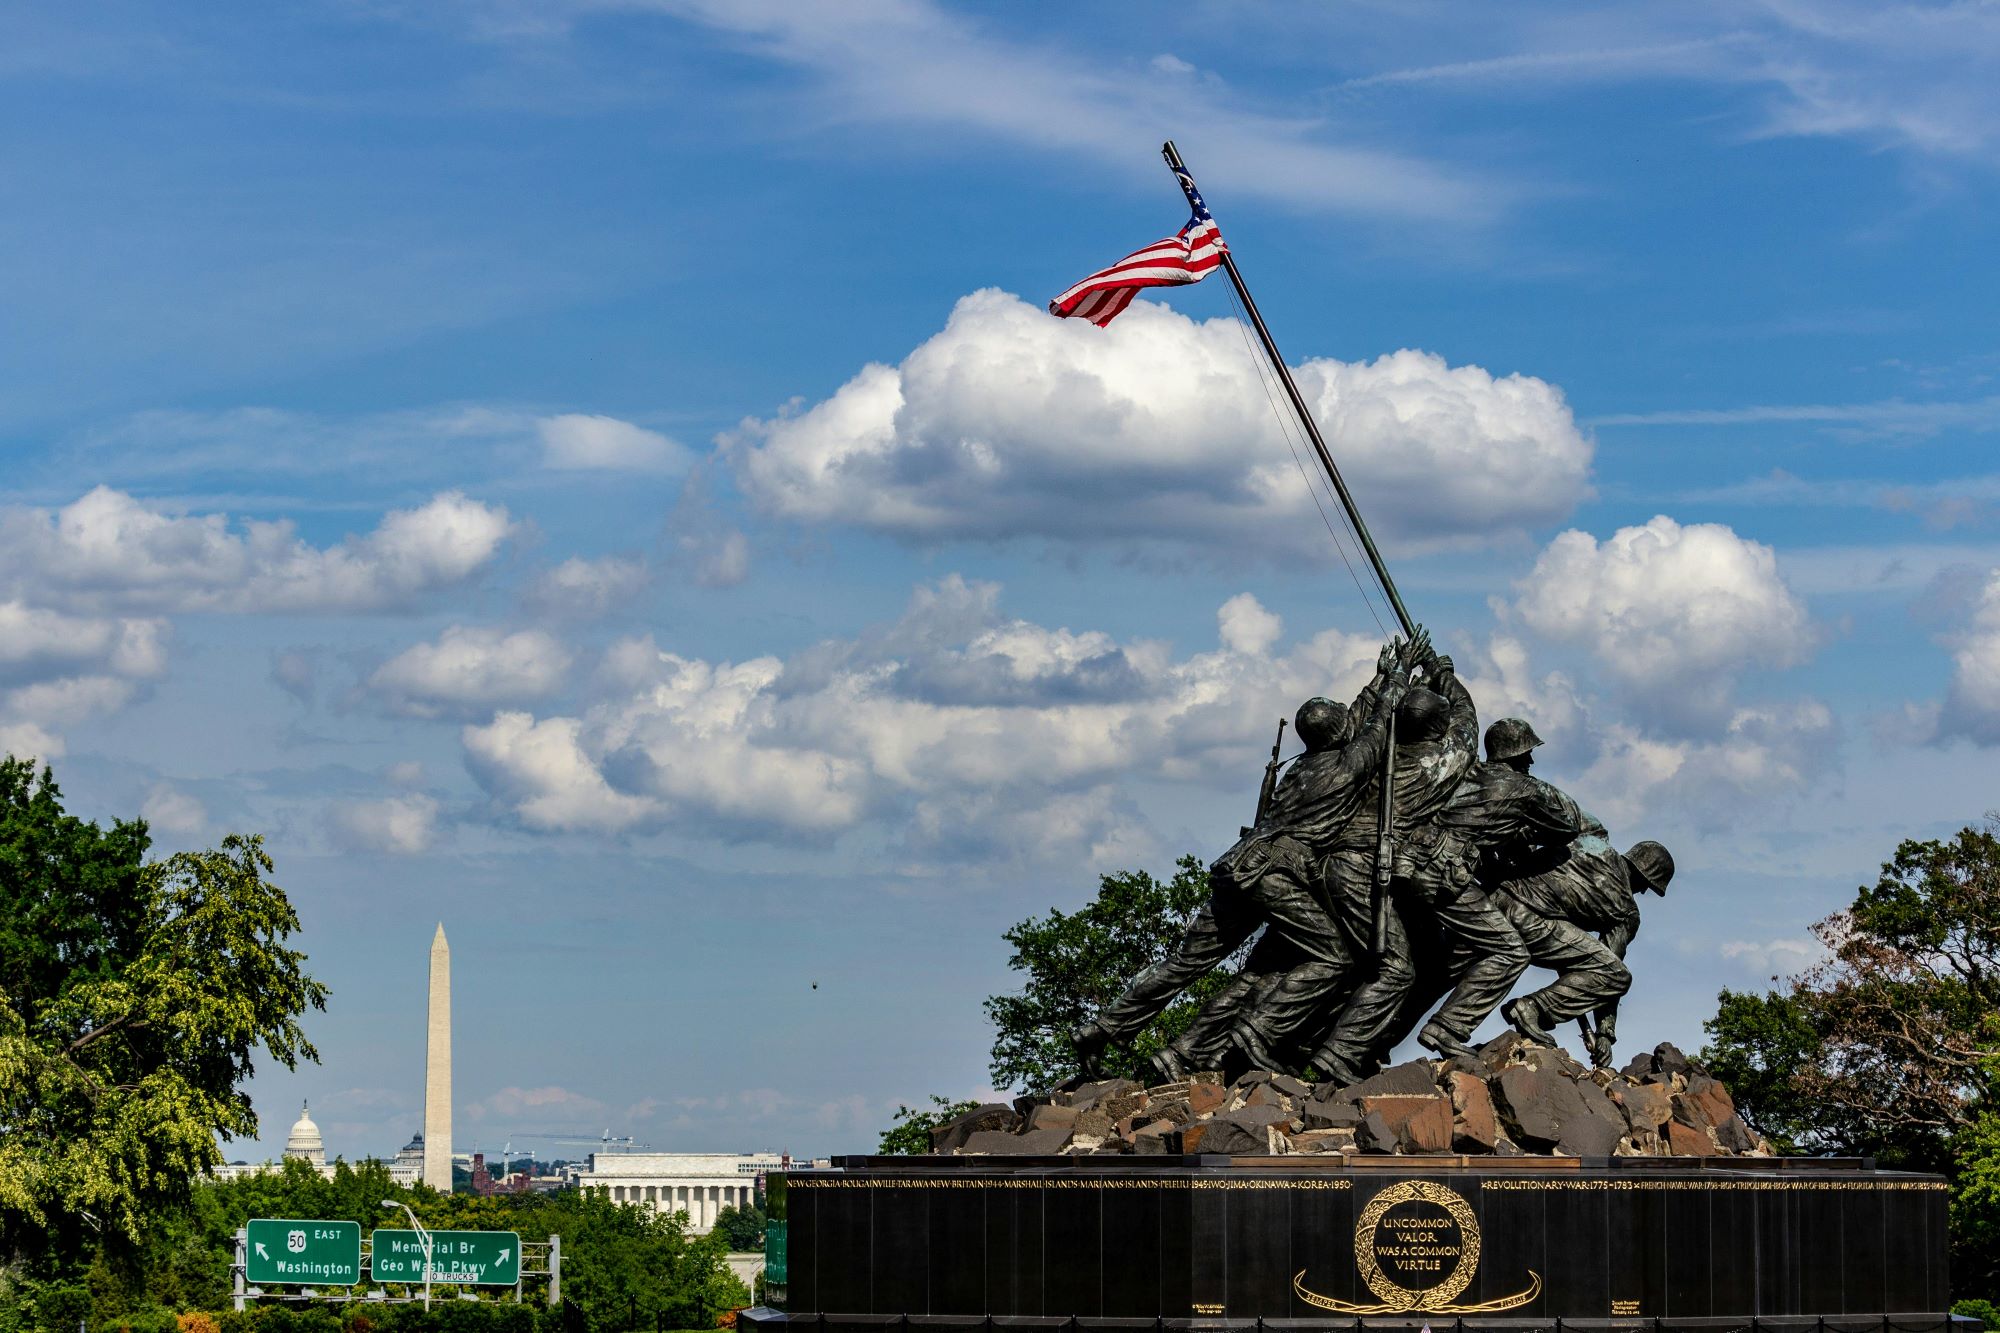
{"type": "Point", "coordinates": [1395, 1298]}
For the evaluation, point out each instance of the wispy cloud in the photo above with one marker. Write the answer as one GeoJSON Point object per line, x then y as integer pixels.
{"type": "Point", "coordinates": [1923, 78]}
{"type": "Point", "coordinates": [1593, 63]}
{"type": "Point", "coordinates": [1894, 416]}
{"type": "Point", "coordinates": [1942, 505]}
{"type": "Point", "coordinates": [911, 63]}
{"type": "Point", "coordinates": [1898, 568]}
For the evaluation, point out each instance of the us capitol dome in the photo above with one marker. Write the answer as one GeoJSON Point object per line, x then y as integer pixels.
{"type": "Point", "coordinates": [303, 1144]}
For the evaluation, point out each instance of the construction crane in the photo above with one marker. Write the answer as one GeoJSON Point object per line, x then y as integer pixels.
{"type": "Point", "coordinates": [606, 1142]}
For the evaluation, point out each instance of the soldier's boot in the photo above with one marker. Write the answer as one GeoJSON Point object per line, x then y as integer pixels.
{"type": "Point", "coordinates": [1090, 1040]}
{"type": "Point", "coordinates": [1527, 1021]}
{"type": "Point", "coordinates": [1335, 1071]}
{"type": "Point", "coordinates": [1449, 1045]}
{"type": "Point", "coordinates": [1247, 1039]}
{"type": "Point", "coordinates": [1166, 1066]}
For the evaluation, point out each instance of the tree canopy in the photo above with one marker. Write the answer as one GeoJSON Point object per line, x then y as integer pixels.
{"type": "Point", "coordinates": [133, 998]}
{"type": "Point", "coordinates": [1077, 962]}
{"type": "Point", "coordinates": [741, 1229]}
{"type": "Point", "coordinates": [1890, 1047]}
{"type": "Point", "coordinates": [1887, 1046]}
{"type": "Point", "coordinates": [910, 1128]}
{"type": "Point", "coordinates": [617, 1258]}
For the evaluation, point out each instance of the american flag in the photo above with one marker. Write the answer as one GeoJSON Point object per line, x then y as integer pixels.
{"type": "Point", "coordinates": [1188, 256]}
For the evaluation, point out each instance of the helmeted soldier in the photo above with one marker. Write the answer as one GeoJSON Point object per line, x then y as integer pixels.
{"type": "Point", "coordinates": [1511, 741]}
{"type": "Point", "coordinates": [1433, 876]}
{"type": "Point", "coordinates": [1578, 918]}
{"type": "Point", "coordinates": [1267, 878]}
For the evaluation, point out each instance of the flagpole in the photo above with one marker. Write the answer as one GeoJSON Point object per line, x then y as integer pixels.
{"type": "Point", "coordinates": [1180, 171]}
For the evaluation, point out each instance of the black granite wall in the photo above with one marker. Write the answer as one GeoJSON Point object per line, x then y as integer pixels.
{"type": "Point", "coordinates": [1631, 1239]}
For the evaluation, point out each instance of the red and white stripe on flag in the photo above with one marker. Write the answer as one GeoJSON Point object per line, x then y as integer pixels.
{"type": "Point", "coordinates": [1188, 257]}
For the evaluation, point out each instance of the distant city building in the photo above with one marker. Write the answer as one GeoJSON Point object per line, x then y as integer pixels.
{"type": "Point", "coordinates": [303, 1144]}
{"type": "Point", "coordinates": [698, 1184]}
{"type": "Point", "coordinates": [408, 1168]}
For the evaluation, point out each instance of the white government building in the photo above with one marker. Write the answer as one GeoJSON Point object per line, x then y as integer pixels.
{"type": "Point", "coordinates": [303, 1144]}
{"type": "Point", "coordinates": [698, 1184]}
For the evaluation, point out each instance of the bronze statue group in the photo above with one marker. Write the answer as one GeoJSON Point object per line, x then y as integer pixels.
{"type": "Point", "coordinates": [1395, 875]}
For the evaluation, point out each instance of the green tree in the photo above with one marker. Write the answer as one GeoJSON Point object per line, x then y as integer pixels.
{"type": "Point", "coordinates": [133, 996]}
{"type": "Point", "coordinates": [1890, 1047]}
{"type": "Point", "coordinates": [1758, 1043]}
{"type": "Point", "coordinates": [742, 1229]}
{"type": "Point", "coordinates": [1077, 962]}
{"type": "Point", "coordinates": [909, 1131]}
{"type": "Point", "coordinates": [619, 1260]}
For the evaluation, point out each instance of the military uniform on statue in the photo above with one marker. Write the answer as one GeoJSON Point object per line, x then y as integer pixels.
{"type": "Point", "coordinates": [1365, 1120]}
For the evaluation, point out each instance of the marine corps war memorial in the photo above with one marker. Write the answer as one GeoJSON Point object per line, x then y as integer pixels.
{"type": "Point", "coordinates": [1405, 875]}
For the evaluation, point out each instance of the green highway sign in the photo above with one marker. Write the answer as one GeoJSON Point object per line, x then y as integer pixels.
{"type": "Point", "coordinates": [475, 1258]}
{"type": "Point", "coordinates": [281, 1250]}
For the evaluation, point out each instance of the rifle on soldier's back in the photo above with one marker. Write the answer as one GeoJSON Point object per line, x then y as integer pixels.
{"type": "Point", "coordinates": [1269, 791]}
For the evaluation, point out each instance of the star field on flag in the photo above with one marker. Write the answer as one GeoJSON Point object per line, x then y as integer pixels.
{"type": "Point", "coordinates": [1187, 256]}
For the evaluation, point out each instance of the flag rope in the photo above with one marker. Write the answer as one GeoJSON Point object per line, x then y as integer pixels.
{"type": "Point", "coordinates": [1289, 433]}
{"type": "Point", "coordinates": [1284, 377]}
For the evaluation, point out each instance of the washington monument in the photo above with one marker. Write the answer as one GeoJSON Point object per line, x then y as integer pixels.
{"type": "Point", "coordinates": [437, 1070]}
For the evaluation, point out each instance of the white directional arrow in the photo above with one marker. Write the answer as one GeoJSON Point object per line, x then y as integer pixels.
{"type": "Point", "coordinates": [262, 1253]}
{"type": "Point", "coordinates": [503, 1257]}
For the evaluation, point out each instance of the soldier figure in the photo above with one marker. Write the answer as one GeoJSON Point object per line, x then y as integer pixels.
{"type": "Point", "coordinates": [1267, 878]}
{"type": "Point", "coordinates": [1576, 917]}
{"type": "Point", "coordinates": [1436, 736]}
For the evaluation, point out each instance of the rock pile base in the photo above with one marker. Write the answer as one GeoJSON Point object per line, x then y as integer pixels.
{"type": "Point", "coordinates": [1516, 1099]}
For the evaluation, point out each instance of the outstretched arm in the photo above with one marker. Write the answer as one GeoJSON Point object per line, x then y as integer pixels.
{"type": "Point", "coordinates": [1363, 755]}
{"type": "Point", "coordinates": [1394, 661]}
{"type": "Point", "coordinates": [1462, 732]}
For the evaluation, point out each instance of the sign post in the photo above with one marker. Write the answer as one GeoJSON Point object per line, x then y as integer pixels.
{"type": "Point", "coordinates": [302, 1252]}
{"type": "Point", "coordinates": [468, 1258]}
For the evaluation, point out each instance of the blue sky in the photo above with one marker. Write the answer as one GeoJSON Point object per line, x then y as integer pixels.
{"type": "Point", "coordinates": [598, 475]}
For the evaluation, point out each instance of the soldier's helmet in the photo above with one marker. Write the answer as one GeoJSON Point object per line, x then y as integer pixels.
{"type": "Point", "coordinates": [1653, 864]}
{"type": "Point", "coordinates": [1508, 737]}
{"type": "Point", "coordinates": [1320, 723]}
{"type": "Point", "coordinates": [1422, 716]}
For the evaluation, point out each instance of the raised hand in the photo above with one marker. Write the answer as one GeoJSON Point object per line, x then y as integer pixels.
{"type": "Point", "coordinates": [1419, 651]}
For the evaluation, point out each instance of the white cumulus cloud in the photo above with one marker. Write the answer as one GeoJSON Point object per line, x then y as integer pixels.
{"type": "Point", "coordinates": [1773, 959]}
{"type": "Point", "coordinates": [169, 808]}
{"type": "Point", "coordinates": [1626, 769]}
{"type": "Point", "coordinates": [401, 825]}
{"type": "Point", "coordinates": [576, 441]}
{"type": "Point", "coordinates": [58, 669]}
{"type": "Point", "coordinates": [1675, 612]}
{"type": "Point", "coordinates": [548, 1103]}
{"type": "Point", "coordinates": [1762, 751]}
{"type": "Point", "coordinates": [471, 670]}
{"type": "Point", "coordinates": [1009, 423]}
{"type": "Point", "coordinates": [1972, 705]}
{"type": "Point", "coordinates": [957, 727]}
{"type": "Point", "coordinates": [580, 589]}
{"type": "Point", "coordinates": [541, 770]}
{"type": "Point", "coordinates": [36, 642]}
{"type": "Point", "coordinates": [108, 550]}
{"type": "Point", "coordinates": [29, 740]}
